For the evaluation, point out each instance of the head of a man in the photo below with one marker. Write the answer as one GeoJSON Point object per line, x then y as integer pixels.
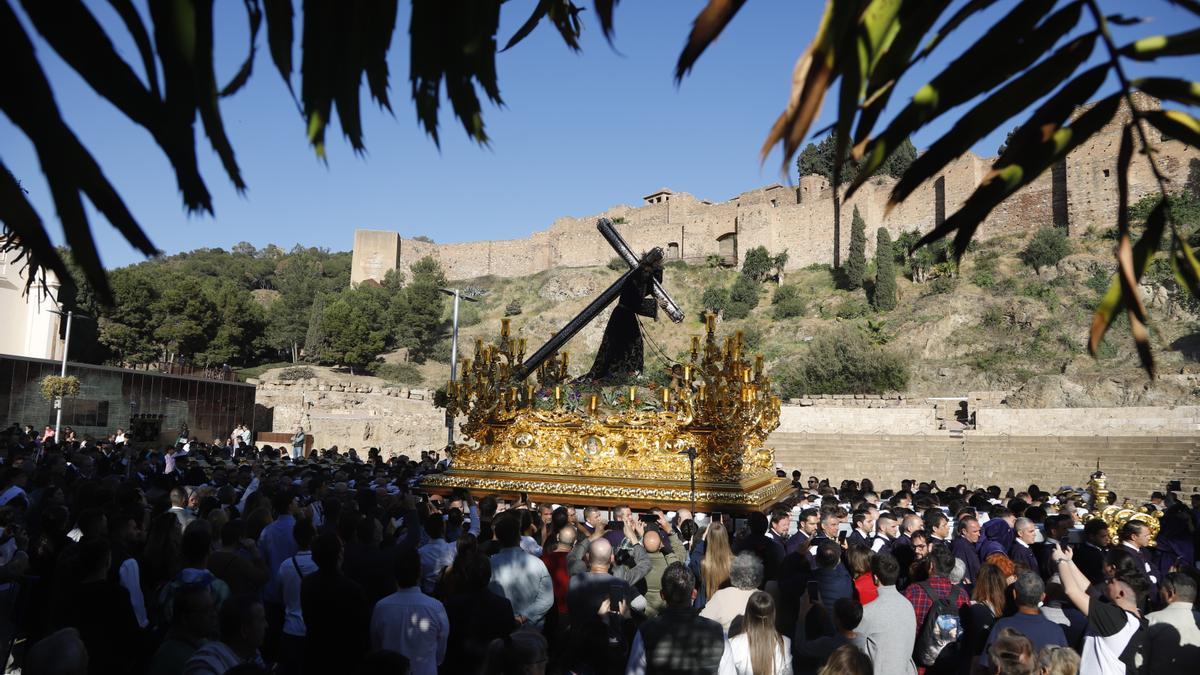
{"type": "Point", "coordinates": [599, 555]}
{"type": "Point", "coordinates": [829, 554]}
{"type": "Point", "coordinates": [885, 568]}
{"type": "Point", "coordinates": [781, 522]}
{"type": "Point", "coordinates": [809, 520]}
{"type": "Point", "coordinates": [623, 514]}
{"type": "Point", "coordinates": [652, 542]}
{"type": "Point", "coordinates": [920, 544]}
{"type": "Point", "coordinates": [911, 523]}
{"type": "Point", "coordinates": [757, 523]}
{"type": "Point", "coordinates": [1136, 533]}
{"type": "Point", "coordinates": [1177, 587]}
{"type": "Point", "coordinates": [830, 524]}
{"type": "Point", "coordinates": [194, 613]}
{"type": "Point", "coordinates": [678, 585]}
{"type": "Point", "coordinates": [937, 523]}
{"type": "Point", "coordinates": [243, 623]}
{"type": "Point", "coordinates": [1029, 590]}
{"type": "Point", "coordinates": [1026, 531]}
{"type": "Point", "coordinates": [887, 526]}
{"type": "Point", "coordinates": [1095, 532]}
{"type": "Point", "coordinates": [566, 537]}
{"type": "Point", "coordinates": [746, 571]}
{"type": "Point", "coordinates": [1057, 526]}
{"type": "Point", "coordinates": [407, 568]}
{"type": "Point", "coordinates": [847, 614]}
{"type": "Point", "coordinates": [970, 529]}
{"type": "Point", "coordinates": [941, 561]}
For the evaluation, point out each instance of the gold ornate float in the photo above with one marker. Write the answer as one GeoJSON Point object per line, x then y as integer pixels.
{"type": "Point", "coordinates": [532, 430]}
{"type": "Point", "coordinates": [1116, 516]}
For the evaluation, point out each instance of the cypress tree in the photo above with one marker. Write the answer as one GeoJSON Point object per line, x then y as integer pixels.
{"type": "Point", "coordinates": [884, 299]}
{"type": "Point", "coordinates": [856, 262]}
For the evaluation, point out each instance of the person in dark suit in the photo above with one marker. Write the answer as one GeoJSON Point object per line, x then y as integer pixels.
{"type": "Point", "coordinates": [886, 530]}
{"type": "Point", "coordinates": [781, 522]}
{"type": "Point", "coordinates": [1055, 532]}
{"type": "Point", "coordinates": [1021, 552]}
{"type": "Point", "coordinates": [805, 529]}
{"type": "Point", "coordinates": [337, 617]}
{"type": "Point", "coordinates": [861, 535]}
{"type": "Point", "coordinates": [769, 551]}
{"type": "Point", "coordinates": [1134, 537]}
{"type": "Point", "coordinates": [833, 580]}
{"type": "Point", "coordinates": [477, 616]}
{"type": "Point", "coordinates": [964, 546]}
{"type": "Point", "coordinates": [937, 524]}
{"type": "Point", "coordinates": [1089, 556]}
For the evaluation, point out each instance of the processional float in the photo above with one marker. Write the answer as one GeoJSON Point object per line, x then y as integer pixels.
{"type": "Point", "coordinates": [615, 436]}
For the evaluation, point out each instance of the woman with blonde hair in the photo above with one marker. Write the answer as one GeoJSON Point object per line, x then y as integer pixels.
{"type": "Point", "coordinates": [759, 649]}
{"type": "Point", "coordinates": [716, 562]}
{"type": "Point", "coordinates": [1056, 660]}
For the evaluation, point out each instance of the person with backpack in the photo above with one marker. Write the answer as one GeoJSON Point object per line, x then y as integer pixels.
{"type": "Point", "coordinates": [936, 602]}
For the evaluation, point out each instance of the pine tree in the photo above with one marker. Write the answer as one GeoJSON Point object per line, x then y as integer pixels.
{"type": "Point", "coordinates": [856, 262]}
{"type": "Point", "coordinates": [884, 299]}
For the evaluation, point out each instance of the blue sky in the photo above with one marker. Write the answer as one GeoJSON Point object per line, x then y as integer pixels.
{"type": "Point", "coordinates": [578, 133]}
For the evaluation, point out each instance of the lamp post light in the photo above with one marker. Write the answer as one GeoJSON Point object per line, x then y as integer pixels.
{"type": "Point", "coordinates": [457, 294]}
{"type": "Point", "coordinates": [66, 349]}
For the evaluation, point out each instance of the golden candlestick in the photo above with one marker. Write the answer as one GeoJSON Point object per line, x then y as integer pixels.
{"type": "Point", "coordinates": [504, 328]}
{"type": "Point", "coordinates": [687, 376]}
{"type": "Point", "coordinates": [529, 395]}
{"type": "Point", "coordinates": [478, 347]}
{"type": "Point", "coordinates": [695, 345]}
{"type": "Point", "coordinates": [758, 366]}
{"type": "Point", "coordinates": [557, 395]}
{"type": "Point", "coordinates": [666, 397]}
{"type": "Point", "coordinates": [702, 393]}
{"type": "Point", "coordinates": [746, 376]}
{"type": "Point", "coordinates": [632, 395]}
{"type": "Point", "coordinates": [710, 322]}
{"type": "Point", "coordinates": [593, 404]}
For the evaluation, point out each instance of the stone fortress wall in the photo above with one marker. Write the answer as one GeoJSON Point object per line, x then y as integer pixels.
{"type": "Point", "coordinates": [1077, 194]}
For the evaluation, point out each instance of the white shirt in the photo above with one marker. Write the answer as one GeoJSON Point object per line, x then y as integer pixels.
{"type": "Point", "coordinates": [436, 556]}
{"type": "Point", "coordinates": [289, 587]}
{"type": "Point", "coordinates": [414, 624]}
{"type": "Point", "coordinates": [530, 546]}
{"type": "Point", "coordinates": [129, 575]}
{"type": "Point", "coordinates": [740, 648]}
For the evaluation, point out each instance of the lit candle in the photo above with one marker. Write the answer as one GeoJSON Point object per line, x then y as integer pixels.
{"type": "Point", "coordinates": [557, 394]}
{"type": "Point", "coordinates": [746, 376]}
{"type": "Point", "coordinates": [710, 322]}
{"type": "Point", "coordinates": [687, 376]}
{"type": "Point", "coordinates": [504, 328]}
{"type": "Point", "coordinates": [593, 403]}
{"type": "Point", "coordinates": [703, 389]}
{"type": "Point", "coordinates": [695, 344]}
{"type": "Point", "coordinates": [514, 396]}
{"type": "Point", "coordinates": [632, 395]}
{"type": "Point", "coordinates": [521, 346]}
{"type": "Point", "coordinates": [666, 397]}
{"type": "Point", "coordinates": [529, 395]}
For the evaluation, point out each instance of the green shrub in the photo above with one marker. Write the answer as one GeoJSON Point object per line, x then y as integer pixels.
{"type": "Point", "coordinates": [1047, 246]}
{"type": "Point", "coordinates": [993, 317]}
{"type": "Point", "coordinates": [399, 373]}
{"type": "Point", "coordinates": [984, 277]}
{"type": "Point", "coordinates": [790, 308]}
{"type": "Point", "coordinates": [617, 264]}
{"type": "Point", "coordinates": [842, 362]}
{"type": "Point", "coordinates": [941, 285]}
{"type": "Point", "coordinates": [737, 310]}
{"type": "Point", "coordinates": [752, 336]}
{"type": "Point", "coordinates": [469, 315]}
{"type": "Point", "coordinates": [744, 290]}
{"type": "Point", "coordinates": [714, 261]}
{"type": "Point", "coordinates": [1099, 280]}
{"type": "Point", "coordinates": [715, 298]}
{"type": "Point", "coordinates": [853, 308]}
{"type": "Point", "coordinates": [1040, 290]}
{"type": "Point", "coordinates": [297, 373]}
{"type": "Point", "coordinates": [784, 293]}
{"type": "Point", "coordinates": [757, 264]}
{"type": "Point", "coordinates": [513, 308]}
{"type": "Point", "coordinates": [441, 351]}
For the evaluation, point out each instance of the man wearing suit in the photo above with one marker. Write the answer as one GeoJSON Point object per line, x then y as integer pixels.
{"type": "Point", "coordinates": [886, 529]}
{"type": "Point", "coordinates": [1135, 536]}
{"type": "Point", "coordinates": [805, 530]}
{"type": "Point", "coordinates": [781, 522]}
{"type": "Point", "coordinates": [1055, 531]}
{"type": "Point", "coordinates": [1089, 557]}
{"type": "Point", "coordinates": [937, 524]}
{"type": "Point", "coordinates": [861, 536]}
{"type": "Point", "coordinates": [963, 546]}
{"type": "Point", "coordinates": [1020, 551]}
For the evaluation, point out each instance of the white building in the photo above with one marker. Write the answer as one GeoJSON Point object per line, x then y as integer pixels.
{"type": "Point", "coordinates": [28, 327]}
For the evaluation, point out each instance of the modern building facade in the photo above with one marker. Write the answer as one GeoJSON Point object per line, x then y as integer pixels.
{"type": "Point", "coordinates": [150, 406]}
{"type": "Point", "coordinates": [30, 326]}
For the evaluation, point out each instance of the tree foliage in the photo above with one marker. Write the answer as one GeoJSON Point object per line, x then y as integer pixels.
{"type": "Point", "coordinates": [1046, 247]}
{"type": "Point", "coordinates": [883, 298]}
{"type": "Point", "coordinates": [819, 158]}
{"type": "Point", "coordinates": [787, 302]}
{"type": "Point", "coordinates": [855, 268]}
{"type": "Point", "coordinates": [760, 265]}
{"type": "Point", "coordinates": [1035, 56]}
{"type": "Point", "coordinates": [842, 361]}
{"type": "Point", "coordinates": [715, 298]}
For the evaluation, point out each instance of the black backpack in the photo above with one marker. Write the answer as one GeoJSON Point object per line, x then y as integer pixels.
{"type": "Point", "coordinates": [938, 636]}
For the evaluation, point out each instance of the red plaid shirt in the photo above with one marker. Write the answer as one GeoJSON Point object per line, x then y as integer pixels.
{"type": "Point", "coordinates": [922, 603]}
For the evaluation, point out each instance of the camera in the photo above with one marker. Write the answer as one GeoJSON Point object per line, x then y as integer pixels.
{"type": "Point", "coordinates": [624, 557]}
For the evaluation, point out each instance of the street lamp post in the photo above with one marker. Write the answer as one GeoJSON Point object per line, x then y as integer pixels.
{"type": "Point", "coordinates": [457, 294]}
{"type": "Point", "coordinates": [63, 373]}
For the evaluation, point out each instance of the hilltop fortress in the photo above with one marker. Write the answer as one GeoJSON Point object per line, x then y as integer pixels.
{"type": "Point", "coordinates": [1077, 194]}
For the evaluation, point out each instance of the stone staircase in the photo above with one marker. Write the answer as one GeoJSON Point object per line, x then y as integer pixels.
{"type": "Point", "coordinates": [1136, 465]}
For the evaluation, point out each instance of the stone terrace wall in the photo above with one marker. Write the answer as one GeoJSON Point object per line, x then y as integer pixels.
{"type": "Point", "coordinates": [1136, 465]}
{"type": "Point", "coordinates": [397, 421]}
{"type": "Point", "coordinates": [1181, 420]}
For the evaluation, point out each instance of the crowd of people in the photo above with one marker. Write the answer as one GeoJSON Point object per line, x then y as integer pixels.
{"type": "Point", "coordinates": [119, 557]}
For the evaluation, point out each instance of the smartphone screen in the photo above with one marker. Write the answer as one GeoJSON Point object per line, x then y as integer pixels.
{"type": "Point", "coordinates": [814, 592]}
{"type": "Point", "coordinates": [842, 537]}
{"type": "Point", "coordinates": [615, 595]}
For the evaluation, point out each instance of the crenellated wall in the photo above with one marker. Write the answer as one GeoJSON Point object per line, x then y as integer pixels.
{"type": "Point", "coordinates": [1078, 194]}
